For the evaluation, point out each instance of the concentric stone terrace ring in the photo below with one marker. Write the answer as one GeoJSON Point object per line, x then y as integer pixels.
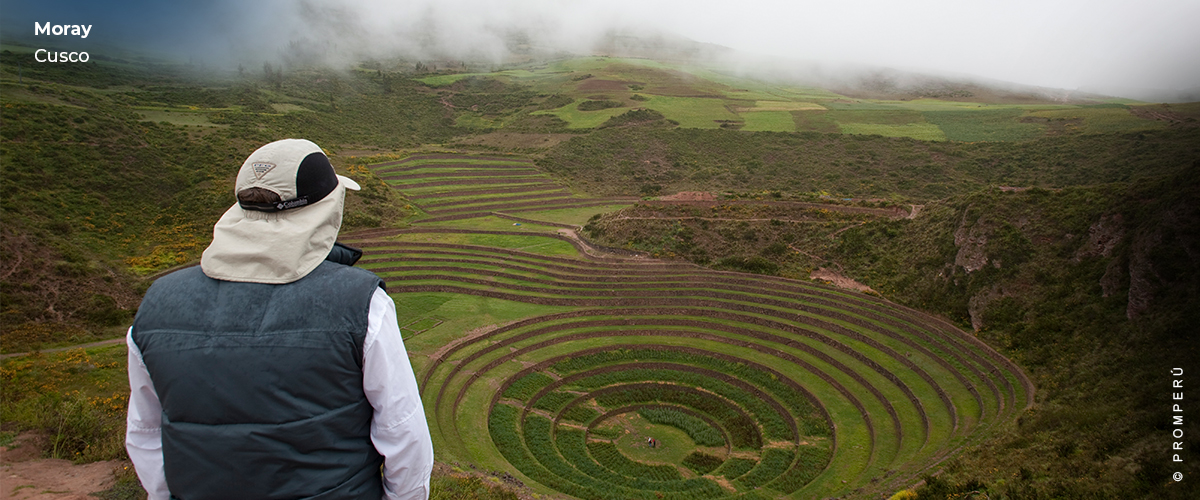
{"type": "Point", "coordinates": [747, 385]}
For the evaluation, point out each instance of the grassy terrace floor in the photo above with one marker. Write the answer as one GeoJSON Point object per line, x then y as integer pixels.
{"type": "Point", "coordinates": [449, 188]}
{"type": "Point", "coordinates": [539, 356]}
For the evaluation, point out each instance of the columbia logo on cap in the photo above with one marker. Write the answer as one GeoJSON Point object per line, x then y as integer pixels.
{"type": "Point", "coordinates": [261, 168]}
{"type": "Point", "coordinates": [292, 204]}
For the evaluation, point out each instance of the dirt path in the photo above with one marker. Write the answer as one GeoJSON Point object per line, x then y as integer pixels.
{"type": "Point", "coordinates": [26, 476]}
{"type": "Point", "coordinates": [835, 234]}
{"type": "Point", "coordinates": [594, 252]}
{"type": "Point", "coordinates": [894, 212]}
{"type": "Point", "coordinates": [839, 280]}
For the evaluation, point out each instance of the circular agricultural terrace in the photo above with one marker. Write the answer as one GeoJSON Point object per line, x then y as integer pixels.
{"type": "Point", "coordinates": [752, 386]}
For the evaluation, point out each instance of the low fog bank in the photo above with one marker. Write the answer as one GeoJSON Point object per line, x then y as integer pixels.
{"type": "Point", "coordinates": [865, 48]}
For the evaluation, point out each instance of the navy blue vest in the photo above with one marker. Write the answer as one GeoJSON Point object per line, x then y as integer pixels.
{"type": "Point", "coordinates": [261, 385]}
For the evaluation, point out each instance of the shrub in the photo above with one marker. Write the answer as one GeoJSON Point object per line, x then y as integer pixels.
{"type": "Point", "coordinates": [702, 463]}
{"type": "Point", "coordinates": [633, 116]}
{"type": "Point", "coordinates": [773, 464]}
{"type": "Point", "coordinates": [466, 488]}
{"type": "Point", "coordinates": [78, 399]}
{"type": "Point", "coordinates": [810, 461]}
{"type": "Point", "coordinates": [525, 387]}
{"type": "Point", "coordinates": [736, 467]}
{"type": "Point", "coordinates": [756, 265]}
{"type": "Point", "coordinates": [597, 105]}
{"type": "Point", "coordinates": [554, 401]}
{"type": "Point", "coordinates": [607, 455]}
{"type": "Point", "coordinates": [697, 429]}
{"type": "Point", "coordinates": [555, 101]}
{"type": "Point", "coordinates": [581, 414]}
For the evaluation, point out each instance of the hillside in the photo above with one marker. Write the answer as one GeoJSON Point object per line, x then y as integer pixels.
{"type": "Point", "coordinates": [588, 91]}
{"type": "Point", "coordinates": [1031, 264]}
{"type": "Point", "coordinates": [1092, 289]}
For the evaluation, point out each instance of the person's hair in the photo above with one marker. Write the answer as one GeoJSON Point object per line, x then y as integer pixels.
{"type": "Point", "coordinates": [257, 195]}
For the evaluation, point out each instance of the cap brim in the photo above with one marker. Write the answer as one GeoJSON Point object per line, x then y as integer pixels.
{"type": "Point", "coordinates": [349, 183]}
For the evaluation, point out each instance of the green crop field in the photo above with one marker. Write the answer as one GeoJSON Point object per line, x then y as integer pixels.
{"type": "Point", "coordinates": [989, 125]}
{"type": "Point", "coordinates": [707, 98]}
{"type": "Point", "coordinates": [769, 121]}
{"type": "Point", "coordinates": [693, 112]}
{"type": "Point", "coordinates": [1098, 120]}
{"type": "Point", "coordinates": [582, 119]}
{"type": "Point", "coordinates": [544, 360]}
{"type": "Point", "coordinates": [920, 131]}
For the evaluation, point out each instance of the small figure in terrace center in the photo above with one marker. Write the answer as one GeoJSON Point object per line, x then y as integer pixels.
{"type": "Point", "coordinates": [274, 369]}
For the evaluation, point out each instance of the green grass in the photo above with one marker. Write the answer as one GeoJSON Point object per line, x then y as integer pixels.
{"type": "Point", "coordinates": [849, 438]}
{"type": "Point", "coordinates": [876, 116]}
{"type": "Point", "coordinates": [736, 467]}
{"type": "Point", "coordinates": [77, 398]}
{"type": "Point", "coordinates": [463, 313]}
{"type": "Point", "coordinates": [775, 105]}
{"type": "Point", "coordinates": [886, 122]}
{"type": "Point", "coordinates": [674, 444]}
{"type": "Point", "coordinates": [773, 463]}
{"type": "Point", "coordinates": [454, 196]}
{"type": "Point", "coordinates": [920, 131]}
{"type": "Point", "coordinates": [449, 191]}
{"type": "Point", "coordinates": [493, 223]}
{"type": "Point", "coordinates": [442, 80]}
{"type": "Point", "coordinates": [577, 216]}
{"type": "Point", "coordinates": [692, 112]}
{"type": "Point", "coordinates": [700, 431]}
{"type": "Point", "coordinates": [533, 243]}
{"type": "Point", "coordinates": [582, 119]}
{"type": "Point", "coordinates": [909, 422]}
{"type": "Point", "coordinates": [984, 125]}
{"type": "Point", "coordinates": [448, 487]}
{"type": "Point", "coordinates": [1099, 120]}
{"type": "Point", "coordinates": [701, 463]}
{"type": "Point", "coordinates": [815, 121]}
{"type": "Point", "coordinates": [769, 121]}
{"type": "Point", "coordinates": [461, 161]}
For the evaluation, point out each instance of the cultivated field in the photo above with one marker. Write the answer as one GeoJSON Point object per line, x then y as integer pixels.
{"type": "Point", "coordinates": [700, 97]}
{"type": "Point", "coordinates": [450, 187]}
{"type": "Point", "coordinates": [556, 361]}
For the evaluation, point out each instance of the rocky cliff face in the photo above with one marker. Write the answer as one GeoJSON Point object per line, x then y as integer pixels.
{"type": "Point", "coordinates": [1144, 279]}
{"type": "Point", "coordinates": [971, 240]}
{"type": "Point", "coordinates": [1163, 256]}
{"type": "Point", "coordinates": [1103, 237]}
{"type": "Point", "coordinates": [978, 304]}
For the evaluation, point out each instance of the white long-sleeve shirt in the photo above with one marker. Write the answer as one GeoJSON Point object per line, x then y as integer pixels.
{"type": "Point", "coordinates": [398, 428]}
